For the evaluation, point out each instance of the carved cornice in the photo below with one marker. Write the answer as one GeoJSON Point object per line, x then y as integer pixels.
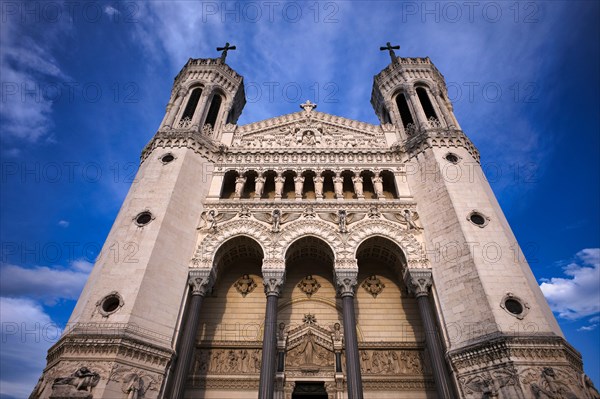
{"type": "Point", "coordinates": [273, 280]}
{"type": "Point", "coordinates": [418, 281]}
{"type": "Point", "coordinates": [507, 348]}
{"type": "Point", "coordinates": [201, 281]}
{"type": "Point", "coordinates": [227, 383]}
{"type": "Point", "coordinates": [119, 344]}
{"type": "Point", "coordinates": [400, 384]}
{"type": "Point", "coordinates": [437, 137]}
{"type": "Point", "coordinates": [176, 138]}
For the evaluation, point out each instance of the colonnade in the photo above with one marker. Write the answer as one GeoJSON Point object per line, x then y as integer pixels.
{"type": "Point", "coordinates": [418, 281]}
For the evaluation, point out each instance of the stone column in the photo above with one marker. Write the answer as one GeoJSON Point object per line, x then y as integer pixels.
{"type": "Point", "coordinates": [273, 281]}
{"type": "Point", "coordinates": [201, 107]}
{"type": "Point", "coordinates": [442, 107]}
{"type": "Point", "coordinates": [417, 107]}
{"type": "Point", "coordinates": [346, 284]}
{"type": "Point", "coordinates": [419, 281]}
{"type": "Point", "coordinates": [200, 281]}
{"type": "Point", "coordinates": [173, 109]}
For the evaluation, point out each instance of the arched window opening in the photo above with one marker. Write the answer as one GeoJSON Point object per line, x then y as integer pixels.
{"type": "Point", "coordinates": [309, 250]}
{"type": "Point", "coordinates": [288, 186]}
{"type": "Point", "coordinates": [309, 184]}
{"type": "Point", "coordinates": [389, 184]}
{"type": "Point", "coordinates": [404, 109]}
{"type": "Point", "coordinates": [348, 185]}
{"type": "Point", "coordinates": [229, 184]}
{"type": "Point", "coordinates": [190, 108]}
{"type": "Point", "coordinates": [385, 116]}
{"type": "Point", "coordinates": [328, 190]}
{"type": "Point", "coordinates": [250, 186]}
{"type": "Point", "coordinates": [269, 190]}
{"type": "Point", "coordinates": [426, 103]}
{"type": "Point", "coordinates": [368, 189]}
{"type": "Point", "coordinates": [213, 111]}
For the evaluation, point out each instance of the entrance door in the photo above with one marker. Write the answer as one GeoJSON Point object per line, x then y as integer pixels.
{"type": "Point", "coordinates": [309, 390]}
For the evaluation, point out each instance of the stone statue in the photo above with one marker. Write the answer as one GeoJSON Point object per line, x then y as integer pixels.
{"type": "Point", "coordinates": [318, 180]}
{"type": "Point", "coordinates": [259, 185]}
{"type": "Point", "coordinates": [337, 332]}
{"type": "Point", "coordinates": [298, 184]}
{"type": "Point", "coordinates": [245, 285]}
{"type": "Point", "coordinates": [279, 181]}
{"type": "Point", "coordinates": [308, 348]}
{"type": "Point", "coordinates": [281, 333]}
{"type": "Point", "coordinates": [135, 387]}
{"type": "Point", "coordinates": [308, 138]}
{"type": "Point", "coordinates": [358, 186]}
{"type": "Point", "coordinates": [276, 220]}
{"type": "Point", "coordinates": [212, 220]}
{"type": "Point", "coordinates": [239, 186]}
{"type": "Point", "coordinates": [410, 218]}
{"type": "Point", "coordinates": [342, 221]}
{"type": "Point", "coordinates": [81, 379]}
{"type": "Point", "coordinates": [378, 186]}
{"type": "Point", "coordinates": [338, 186]}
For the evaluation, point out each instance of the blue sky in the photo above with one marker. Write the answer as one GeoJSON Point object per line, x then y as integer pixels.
{"type": "Point", "coordinates": [85, 84]}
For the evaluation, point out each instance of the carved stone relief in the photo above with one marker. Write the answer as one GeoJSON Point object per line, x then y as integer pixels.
{"type": "Point", "coordinates": [245, 285]}
{"type": "Point", "coordinates": [392, 362]}
{"type": "Point", "coordinates": [226, 361]}
{"type": "Point", "coordinates": [309, 285]}
{"type": "Point", "coordinates": [135, 383]}
{"type": "Point", "coordinates": [373, 286]}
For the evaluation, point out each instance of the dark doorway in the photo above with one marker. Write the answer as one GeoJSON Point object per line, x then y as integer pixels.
{"type": "Point", "coordinates": [309, 390]}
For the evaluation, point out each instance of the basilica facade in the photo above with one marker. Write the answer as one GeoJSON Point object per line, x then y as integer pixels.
{"type": "Point", "coordinates": [312, 256]}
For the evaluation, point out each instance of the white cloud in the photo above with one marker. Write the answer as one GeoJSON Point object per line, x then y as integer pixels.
{"type": "Point", "coordinates": [578, 295]}
{"type": "Point", "coordinates": [63, 223]}
{"type": "Point", "coordinates": [27, 333]}
{"type": "Point", "coordinates": [110, 10]}
{"type": "Point", "coordinates": [45, 283]}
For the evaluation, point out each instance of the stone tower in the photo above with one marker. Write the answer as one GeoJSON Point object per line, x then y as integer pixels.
{"type": "Point", "coordinates": [310, 255]}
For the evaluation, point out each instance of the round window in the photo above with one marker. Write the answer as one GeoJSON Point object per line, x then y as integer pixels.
{"type": "Point", "coordinates": [478, 219]}
{"type": "Point", "coordinates": [167, 158]}
{"type": "Point", "coordinates": [513, 306]}
{"type": "Point", "coordinates": [143, 218]}
{"type": "Point", "coordinates": [110, 304]}
{"type": "Point", "coordinates": [452, 158]}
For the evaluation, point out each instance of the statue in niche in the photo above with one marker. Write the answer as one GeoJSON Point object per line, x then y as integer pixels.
{"type": "Point", "coordinates": [338, 186]}
{"type": "Point", "coordinates": [309, 285]}
{"type": "Point", "coordinates": [239, 186]}
{"type": "Point", "coordinates": [318, 180]}
{"type": "Point", "coordinates": [245, 285]}
{"type": "Point", "coordinates": [373, 286]}
{"type": "Point", "coordinates": [298, 184]}
{"type": "Point", "coordinates": [259, 185]}
{"type": "Point", "coordinates": [358, 186]}
{"type": "Point", "coordinates": [279, 181]}
{"type": "Point", "coordinates": [378, 186]}
{"type": "Point", "coordinates": [281, 333]}
{"type": "Point", "coordinates": [308, 138]}
{"type": "Point", "coordinates": [81, 379]}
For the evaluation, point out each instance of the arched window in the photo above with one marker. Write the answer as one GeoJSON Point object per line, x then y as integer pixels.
{"type": "Point", "coordinates": [228, 188]}
{"type": "Point", "coordinates": [405, 114]}
{"type": "Point", "coordinates": [426, 103]}
{"type": "Point", "coordinates": [190, 108]}
{"type": "Point", "coordinates": [213, 111]}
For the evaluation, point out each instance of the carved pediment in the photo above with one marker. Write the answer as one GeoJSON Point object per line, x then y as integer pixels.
{"type": "Point", "coordinates": [310, 347]}
{"type": "Point", "coordinates": [309, 130]}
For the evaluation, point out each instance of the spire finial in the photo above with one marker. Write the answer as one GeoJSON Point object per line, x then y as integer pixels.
{"type": "Point", "coordinates": [391, 49]}
{"type": "Point", "coordinates": [224, 51]}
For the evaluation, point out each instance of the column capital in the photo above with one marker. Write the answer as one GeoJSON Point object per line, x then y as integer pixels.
{"type": "Point", "coordinates": [200, 281]}
{"type": "Point", "coordinates": [273, 280]}
{"type": "Point", "coordinates": [418, 281]}
{"type": "Point", "coordinates": [346, 281]}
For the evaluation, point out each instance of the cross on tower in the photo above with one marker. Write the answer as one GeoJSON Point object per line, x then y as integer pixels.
{"type": "Point", "coordinates": [391, 49]}
{"type": "Point", "coordinates": [224, 51]}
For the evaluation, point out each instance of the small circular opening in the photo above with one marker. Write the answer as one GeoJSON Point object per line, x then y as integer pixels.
{"type": "Point", "coordinates": [478, 219]}
{"type": "Point", "coordinates": [110, 304]}
{"type": "Point", "coordinates": [513, 306]}
{"type": "Point", "coordinates": [453, 158]}
{"type": "Point", "coordinates": [167, 158]}
{"type": "Point", "coordinates": [143, 218]}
